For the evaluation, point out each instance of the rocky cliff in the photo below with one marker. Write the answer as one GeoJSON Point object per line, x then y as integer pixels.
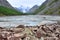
{"type": "Point", "coordinates": [49, 7]}
{"type": "Point", "coordinates": [5, 3]}
{"type": "Point", "coordinates": [32, 10]}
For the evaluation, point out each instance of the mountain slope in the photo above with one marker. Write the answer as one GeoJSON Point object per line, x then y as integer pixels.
{"type": "Point", "coordinates": [6, 9]}
{"type": "Point", "coordinates": [32, 10]}
{"type": "Point", "coordinates": [5, 3]}
{"type": "Point", "coordinates": [49, 7]}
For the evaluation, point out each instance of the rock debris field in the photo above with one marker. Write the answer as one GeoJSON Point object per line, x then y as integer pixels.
{"type": "Point", "coordinates": [50, 31]}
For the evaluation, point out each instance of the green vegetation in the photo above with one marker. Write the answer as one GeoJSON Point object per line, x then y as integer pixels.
{"type": "Point", "coordinates": [48, 12]}
{"type": "Point", "coordinates": [59, 10]}
{"type": "Point", "coordinates": [53, 2]}
{"type": "Point", "coordinates": [4, 11]}
{"type": "Point", "coordinates": [28, 14]}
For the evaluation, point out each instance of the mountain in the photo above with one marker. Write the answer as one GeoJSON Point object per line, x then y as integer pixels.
{"type": "Point", "coordinates": [5, 3]}
{"type": "Point", "coordinates": [49, 7]}
{"type": "Point", "coordinates": [6, 9]}
{"type": "Point", "coordinates": [32, 10]}
{"type": "Point", "coordinates": [22, 9]}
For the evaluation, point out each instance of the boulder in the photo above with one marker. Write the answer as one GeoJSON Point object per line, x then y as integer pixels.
{"type": "Point", "coordinates": [20, 26]}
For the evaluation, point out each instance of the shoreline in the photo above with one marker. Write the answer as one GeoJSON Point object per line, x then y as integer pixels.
{"type": "Point", "coordinates": [41, 23]}
{"type": "Point", "coordinates": [30, 15]}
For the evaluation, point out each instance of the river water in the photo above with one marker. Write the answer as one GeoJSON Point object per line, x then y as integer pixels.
{"type": "Point", "coordinates": [30, 20]}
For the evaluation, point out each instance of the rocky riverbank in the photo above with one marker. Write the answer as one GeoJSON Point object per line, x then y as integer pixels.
{"type": "Point", "coordinates": [42, 32]}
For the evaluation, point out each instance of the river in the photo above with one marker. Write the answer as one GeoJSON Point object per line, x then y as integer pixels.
{"type": "Point", "coordinates": [30, 20]}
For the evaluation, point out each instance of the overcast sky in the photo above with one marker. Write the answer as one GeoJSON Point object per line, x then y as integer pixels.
{"type": "Point", "coordinates": [25, 3]}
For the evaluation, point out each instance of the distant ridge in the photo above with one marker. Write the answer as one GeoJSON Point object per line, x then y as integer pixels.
{"type": "Point", "coordinates": [32, 10]}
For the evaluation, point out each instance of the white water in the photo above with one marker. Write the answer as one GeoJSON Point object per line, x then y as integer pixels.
{"type": "Point", "coordinates": [13, 21]}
